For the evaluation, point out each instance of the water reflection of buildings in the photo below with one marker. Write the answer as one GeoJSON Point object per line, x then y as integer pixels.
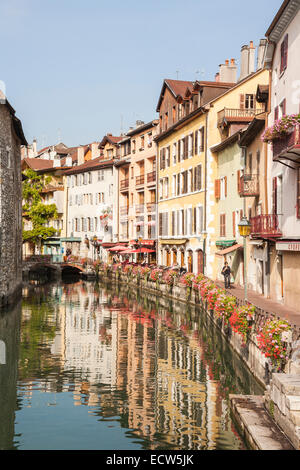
{"type": "Point", "coordinates": [9, 336]}
{"type": "Point", "coordinates": [146, 365]}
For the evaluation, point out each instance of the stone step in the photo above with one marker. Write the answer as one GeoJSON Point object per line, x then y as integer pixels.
{"type": "Point", "coordinates": [256, 425]}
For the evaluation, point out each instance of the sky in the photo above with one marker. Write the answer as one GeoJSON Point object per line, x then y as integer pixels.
{"type": "Point", "coordinates": [75, 70]}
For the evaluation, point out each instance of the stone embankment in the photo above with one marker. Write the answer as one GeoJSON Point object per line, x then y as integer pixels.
{"type": "Point", "coordinates": [270, 422]}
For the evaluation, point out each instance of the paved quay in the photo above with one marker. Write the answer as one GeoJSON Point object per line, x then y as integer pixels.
{"type": "Point", "coordinates": [269, 306]}
{"type": "Point", "coordinates": [256, 425]}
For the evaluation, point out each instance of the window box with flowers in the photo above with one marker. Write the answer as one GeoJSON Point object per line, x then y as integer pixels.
{"type": "Point", "coordinates": [281, 128]}
{"type": "Point", "coordinates": [270, 342]}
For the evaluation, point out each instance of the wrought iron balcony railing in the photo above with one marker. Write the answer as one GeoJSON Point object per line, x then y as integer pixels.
{"type": "Point", "coordinates": [124, 184]}
{"type": "Point", "coordinates": [151, 177]}
{"type": "Point", "coordinates": [265, 226]}
{"type": "Point", "coordinates": [140, 180]}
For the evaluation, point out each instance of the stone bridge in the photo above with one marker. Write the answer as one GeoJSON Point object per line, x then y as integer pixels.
{"type": "Point", "coordinates": [45, 264]}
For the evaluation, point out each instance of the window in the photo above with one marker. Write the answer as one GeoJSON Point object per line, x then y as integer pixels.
{"type": "Point", "coordinates": [174, 185]}
{"type": "Point", "coordinates": [101, 175]}
{"type": "Point", "coordinates": [282, 108]}
{"type": "Point", "coordinates": [166, 187]}
{"type": "Point", "coordinates": [284, 54]}
{"type": "Point", "coordinates": [142, 142]}
{"type": "Point", "coordinates": [174, 114]}
{"type": "Point", "coordinates": [190, 181]}
{"type": "Point", "coordinates": [166, 120]}
{"type": "Point", "coordinates": [249, 101]}
{"type": "Point", "coordinates": [223, 225]}
{"type": "Point", "coordinates": [198, 178]}
{"type": "Point", "coordinates": [217, 189]}
{"type": "Point", "coordinates": [223, 187]}
{"type": "Point", "coordinates": [174, 153]}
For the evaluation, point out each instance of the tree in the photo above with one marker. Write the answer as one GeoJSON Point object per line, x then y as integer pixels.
{"type": "Point", "coordinates": [35, 211]}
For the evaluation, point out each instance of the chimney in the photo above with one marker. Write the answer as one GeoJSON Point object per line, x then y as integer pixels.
{"type": "Point", "coordinates": [217, 77]}
{"type": "Point", "coordinates": [244, 62]}
{"type": "Point", "coordinates": [95, 150]}
{"type": "Point", "coordinates": [80, 155]}
{"type": "Point", "coordinates": [261, 53]}
{"type": "Point", "coordinates": [252, 49]}
{"type": "Point", "coordinates": [34, 147]}
{"type": "Point", "coordinates": [139, 123]}
{"type": "Point", "coordinates": [228, 72]}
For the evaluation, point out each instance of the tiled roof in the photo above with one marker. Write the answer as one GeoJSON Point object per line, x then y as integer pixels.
{"type": "Point", "coordinates": [112, 139]}
{"type": "Point", "coordinates": [37, 164]}
{"type": "Point", "coordinates": [95, 164]}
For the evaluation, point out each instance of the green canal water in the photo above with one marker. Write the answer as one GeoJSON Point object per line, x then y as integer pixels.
{"type": "Point", "coordinates": [88, 366]}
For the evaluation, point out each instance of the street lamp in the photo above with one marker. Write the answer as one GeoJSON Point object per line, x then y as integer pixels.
{"type": "Point", "coordinates": [245, 231]}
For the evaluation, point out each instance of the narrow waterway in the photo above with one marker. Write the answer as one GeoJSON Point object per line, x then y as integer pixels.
{"type": "Point", "coordinates": [87, 366]}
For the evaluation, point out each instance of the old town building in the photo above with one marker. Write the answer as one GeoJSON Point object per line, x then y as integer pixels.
{"type": "Point", "coordinates": [11, 139]}
{"type": "Point", "coordinates": [137, 184]}
{"type": "Point", "coordinates": [280, 226]}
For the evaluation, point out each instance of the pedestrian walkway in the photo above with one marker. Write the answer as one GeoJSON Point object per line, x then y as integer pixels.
{"type": "Point", "coordinates": [269, 306]}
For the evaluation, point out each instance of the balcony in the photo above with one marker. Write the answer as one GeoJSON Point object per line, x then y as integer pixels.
{"type": "Point", "coordinates": [151, 207]}
{"type": "Point", "coordinates": [124, 211]}
{"type": "Point", "coordinates": [264, 226]}
{"type": "Point", "coordinates": [249, 186]}
{"type": "Point", "coordinates": [140, 180]}
{"type": "Point", "coordinates": [237, 115]}
{"type": "Point", "coordinates": [139, 208]}
{"type": "Point", "coordinates": [124, 184]}
{"type": "Point", "coordinates": [151, 177]}
{"type": "Point", "coordinates": [288, 147]}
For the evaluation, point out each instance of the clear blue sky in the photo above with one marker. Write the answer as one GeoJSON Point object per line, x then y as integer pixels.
{"type": "Point", "coordinates": [86, 66]}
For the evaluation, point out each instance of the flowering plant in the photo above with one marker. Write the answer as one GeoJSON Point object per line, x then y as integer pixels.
{"type": "Point", "coordinates": [224, 306]}
{"type": "Point", "coordinates": [270, 342]}
{"type": "Point", "coordinates": [212, 297]}
{"type": "Point", "coordinates": [240, 318]}
{"type": "Point", "coordinates": [204, 287]}
{"type": "Point", "coordinates": [170, 277]}
{"type": "Point", "coordinates": [156, 274]}
{"type": "Point", "coordinates": [187, 279]}
{"type": "Point", "coordinates": [145, 270]}
{"type": "Point", "coordinates": [280, 128]}
{"type": "Point", "coordinates": [127, 269]}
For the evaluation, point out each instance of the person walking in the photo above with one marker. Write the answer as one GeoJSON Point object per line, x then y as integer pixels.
{"type": "Point", "coordinates": [226, 271]}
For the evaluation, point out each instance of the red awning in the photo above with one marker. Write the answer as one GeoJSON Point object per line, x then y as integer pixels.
{"type": "Point", "coordinates": [118, 248]}
{"type": "Point", "coordinates": [229, 250]}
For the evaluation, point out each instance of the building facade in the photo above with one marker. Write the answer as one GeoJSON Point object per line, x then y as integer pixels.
{"type": "Point", "coordinates": [137, 184]}
{"type": "Point", "coordinates": [11, 139]}
{"type": "Point", "coordinates": [284, 155]}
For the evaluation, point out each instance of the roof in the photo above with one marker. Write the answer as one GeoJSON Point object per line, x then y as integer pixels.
{"type": "Point", "coordinates": [284, 16]}
{"type": "Point", "coordinates": [252, 130]}
{"type": "Point", "coordinates": [180, 123]}
{"type": "Point", "coordinates": [142, 128]}
{"type": "Point", "coordinates": [17, 125]}
{"type": "Point", "coordinates": [60, 148]}
{"type": "Point", "coordinates": [176, 87]}
{"type": "Point", "coordinates": [112, 139]}
{"type": "Point", "coordinates": [38, 164]}
{"type": "Point", "coordinates": [95, 164]}
{"type": "Point", "coordinates": [225, 143]}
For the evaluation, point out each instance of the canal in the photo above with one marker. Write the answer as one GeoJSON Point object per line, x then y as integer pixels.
{"type": "Point", "coordinates": [91, 366]}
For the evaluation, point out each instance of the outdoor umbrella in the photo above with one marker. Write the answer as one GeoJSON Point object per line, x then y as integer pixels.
{"type": "Point", "coordinates": [118, 248]}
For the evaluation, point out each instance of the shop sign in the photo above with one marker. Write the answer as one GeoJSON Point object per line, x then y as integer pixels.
{"type": "Point", "coordinates": [288, 246]}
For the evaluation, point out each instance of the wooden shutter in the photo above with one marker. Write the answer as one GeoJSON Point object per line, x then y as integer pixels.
{"type": "Point", "coordinates": [274, 195]}
{"type": "Point", "coordinates": [183, 222]}
{"type": "Point", "coordinates": [192, 139]}
{"type": "Point", "coordinates": [194, 220]}
{"type": "Point", "coordinates": [169, 156]}
{"type": "Point", "coordinates": [173, 224]}
{"type": "Point", "coordinates": [196, 143]}
{"type": "Point", "coordinates": [217, 189]}
{"type": "Point", "coordinates": [286, 45]}
{"type": "Point", "coordinates": [195, 179]}
{"type": "Point", "coordinates": [178, 150]}
{"type": "Point", "coordinates": [225, 184]}
{"type": "Point", "coordinates": [185, 148]}
{"type": "Point", "coordinates": [233, 224]}
{"type": "Point", "coordinates": [202, 133]}
{"type": "Point", "coordinates": [284, 107]}
{"type": "Point", "coordinates": [178, 184]}
{"type": "Point", "coordinates": [242, 101]}
{"type": "Point", "coordinates": [239, 186]}
{"type": "Point", "coordinates": [276, 113]}
{"type": "Point", "coordinates": [160, 224]}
